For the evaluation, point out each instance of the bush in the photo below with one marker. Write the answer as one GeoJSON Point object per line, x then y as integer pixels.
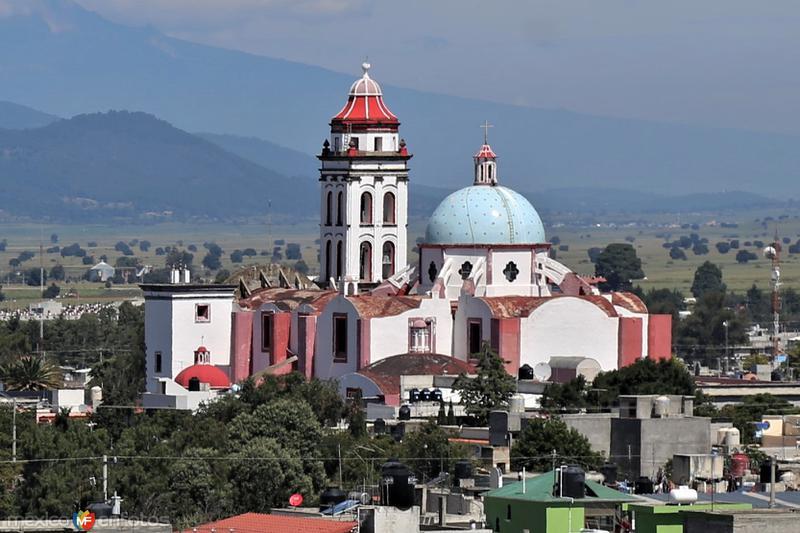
{"type": "Point", "coordinates": [743, 256]}
{"type": "Point", "coordinates": [57, 273]}
{"type": "Point", "coordinates": [700, 249]}
{"type": "Point", "coordinates": [723, 247]}
{"type": "Point", "coordinates": [211, 261]}
{"type": "Point", "coordinates": [123, 248]}
{"type": "Point", "coordinates": [88, 260]}
{"type": "Point", "coordinates": [144, 245]}
{"type": "Point", "coordinates": [73, 250]}
{"type": "Point", "coordinates": [52, 291]}
{"type": "Point", "coordinates": [734, 244]}
{"type": "Point", "coordinates": [677, 253]}
{"type": "Point", "coordinates": [563, 248]}
{"type": "Point", "coordinates": [236, 256]}
{"type": "Point", "coordinates": [53, 250]}
{"type": "Point", "coordinates": [293, 251]}
{"type": "Point", "coordinates": [91, 244]}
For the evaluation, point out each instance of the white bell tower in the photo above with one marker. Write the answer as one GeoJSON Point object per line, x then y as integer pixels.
{"type": "Point", "coordinates": [364, 190]}
{"type": "Point", "coordinates": [485, 161]}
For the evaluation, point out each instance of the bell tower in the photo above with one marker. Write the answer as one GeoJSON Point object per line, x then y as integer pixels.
{"type": "Point", "coordinates": [364, 190]}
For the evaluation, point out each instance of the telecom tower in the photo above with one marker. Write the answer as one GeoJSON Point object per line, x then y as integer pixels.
{"type": "Point", "coordinates": [773, 253]}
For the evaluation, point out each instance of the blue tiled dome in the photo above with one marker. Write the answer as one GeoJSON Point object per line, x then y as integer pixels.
{"type": "Point", "coordinates": [484, 214]}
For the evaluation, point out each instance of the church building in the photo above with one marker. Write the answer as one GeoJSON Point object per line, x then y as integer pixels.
{"type": "Point", "coordinates": [484, 275]}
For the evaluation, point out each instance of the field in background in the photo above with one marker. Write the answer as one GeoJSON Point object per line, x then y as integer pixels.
{"type": "Point", "coordinates": [648, 235]}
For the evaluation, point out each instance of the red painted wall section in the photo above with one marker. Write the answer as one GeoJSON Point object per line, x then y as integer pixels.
{"type": "Point", "coordinates": [282, 323]}
{"type": "Point", "coordinates": [509, 344]}
{"type": "Point", "coordinates": [630, 340]}
{"type": "Point", "coordinates": [306, 363]}
{"type": "Point", "coordinates": [363, 349]}
{"type": "Point", "coordinates": [241, 345]}
{"type": "Point", "coordinates": [392, 399]}
{"type": "Point", "coordinates": [659, 337]}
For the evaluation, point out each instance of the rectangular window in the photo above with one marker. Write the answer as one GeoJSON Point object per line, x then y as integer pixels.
{"type": "Point", "coordinates": [474, 337]}
{"type": "Point", "coordinates": [340, 338]}
{"type": "Point", "coordinates": [202, 313]}
{"type": "Point", "coordinates": [267, 322]}
{"type": "Point", "coordinates": [495, 335]}
{"type": "Point", "coordinates": [378, 144]}
{"type": "Point", "coordinates": [354, 140]}
{"type": "Point", "coordinates": [158, 362]}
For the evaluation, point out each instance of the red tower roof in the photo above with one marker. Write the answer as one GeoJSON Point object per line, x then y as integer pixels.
{"type": "Point", "coordinates": [485, 152]}
{"type": "Point", "coordinates": [214, 376]}
{"type": "Point", "coordinates": [365, 104]}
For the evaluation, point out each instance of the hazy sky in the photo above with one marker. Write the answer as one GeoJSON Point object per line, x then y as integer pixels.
{"type": "Point", "coordinates": [718, 62]}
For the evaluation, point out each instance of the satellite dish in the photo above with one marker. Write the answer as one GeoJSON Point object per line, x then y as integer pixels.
{"type": "Point", "coordinates": [542, 371]}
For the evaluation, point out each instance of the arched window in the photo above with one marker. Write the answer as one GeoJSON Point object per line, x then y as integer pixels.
{"type": "Point", "coordinates": [338, 259]}
{"type": "Point", "coordinates": [388, 208]}
{"type": "Point", "coordinates": [365, 262]}
{"type": "Point", "coordinates": [327, 260]}
{"type": "Point", "coordinates": [366, 208]}
{"type": "Point", "coordinates": [339, 208]}
{"type": "Point", "coordinates": [328, 208]}
{"type": "Point", "coordinates": [387, 260]}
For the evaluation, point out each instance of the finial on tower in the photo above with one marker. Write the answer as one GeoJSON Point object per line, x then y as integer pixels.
{"type": "Point", "coordinates": [486, 127]}
{"type": "Point", "coordinates": [365, 66]}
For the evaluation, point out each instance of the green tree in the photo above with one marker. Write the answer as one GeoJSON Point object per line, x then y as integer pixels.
{"type": "Point", "coordinates": [199, 493]}
{"type": "Point", "coordinates": [451, 415]}
{"type": "Point", "coordinates": [52, 291]}
{"type": "Point", "coordinates": [57, 273]}
{"type": "Point", "coordinates": [570, 395]}
{"type": "Point", "coordinates": [702, 334]}
{"type": "Point", "coordinates": [707, 278]}
{"type": "Point", "coordinates": [534, 446]}
{"type": "Point", "coordinates": [490, 389]}
{"type": "Point", "coordinates": [266, 473]}
{"type": "Point", "coordinates": [619, 265]}
{"type": "Point", "coordinates": [428, 451]}
{"type": "Point", "coordinates": [31, 373]}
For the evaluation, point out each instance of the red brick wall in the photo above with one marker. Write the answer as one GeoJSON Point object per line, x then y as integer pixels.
{"type": "Point", "coordinates": [659, 337]}
{"type": "Point", "coordinates": [241, 345]}
{"type": "Point", "coordinates": [630, 340]}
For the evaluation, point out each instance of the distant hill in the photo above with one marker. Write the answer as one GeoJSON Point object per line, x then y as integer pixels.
{"type": "Point", "coordinates": [17, 117]}
{"type": "Point", "coordinates": [267, 154]}
{"type": "Point", "coordinates": [126, 164]}
{"type": "Point", "coordinates": [96, 64]}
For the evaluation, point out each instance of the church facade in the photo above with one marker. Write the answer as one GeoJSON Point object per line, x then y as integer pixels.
{"type": "Point", "coordinates": [484, 275]}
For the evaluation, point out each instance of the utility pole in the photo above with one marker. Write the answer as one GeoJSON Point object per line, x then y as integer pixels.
{"type": "Point", "coordinates": [41, 290]}
{"type": "Point", "coordinates": [105, 478]}
{"type": "Point", "coordinates": [339, 446]}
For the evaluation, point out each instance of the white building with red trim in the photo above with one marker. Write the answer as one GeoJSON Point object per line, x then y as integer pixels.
{"type": "Point", "coordinates": [484, 275]}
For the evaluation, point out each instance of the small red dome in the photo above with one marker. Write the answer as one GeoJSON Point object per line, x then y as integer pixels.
{"type": "Point", "coordinates": [201, 349]}
{"type": "Point", "coordinates": [365, 106]}
{"type": "Point", "coordinates": [214, 376]}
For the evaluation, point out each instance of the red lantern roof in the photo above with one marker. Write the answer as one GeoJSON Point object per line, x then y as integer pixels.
{"type": "Point", "coordinates": [485, 152]}
{"type": "Point", "coordinates": [365, 105]}
{"type": "Point", "coordinates": [214, 376]}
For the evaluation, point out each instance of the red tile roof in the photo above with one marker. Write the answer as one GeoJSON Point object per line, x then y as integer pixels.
{"type": "Point", "coordinates": [629, 301]}
{"type": "Point", "coordinates": [268, 523]}
{"type": "Point", "coordinates": [287, 299]}
{"type": "Point", "coordinates": [385, 373]}
{"type": "Point", "coordinates": [369, 306]}
{"type": "Point", "coordinates": [523, 306]}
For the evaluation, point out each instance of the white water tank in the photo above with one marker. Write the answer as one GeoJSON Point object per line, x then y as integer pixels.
{"type": "Point", "coordinates": [661, 406]}
{"type": "Point", "coordinates": [682, 495]}
{"type": "Point", "coordinates": [517, 404]}
{"type": "Point", "coordinates": [722, 435]}
{"type": "Point", "coordinates": [97, 396]}
{"type": "Point", "coordinates": [732, 438]}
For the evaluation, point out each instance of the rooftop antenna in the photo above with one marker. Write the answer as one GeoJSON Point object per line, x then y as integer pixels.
{"type": "Point", "coordinates": [41, 287]}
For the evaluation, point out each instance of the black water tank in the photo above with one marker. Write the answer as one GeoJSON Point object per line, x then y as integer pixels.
{"type": "Point", "coordinates": [436, 395]}
{"type": "Point", "coordinates": [413, 395]}
{"type": "Point", "coordinates": [379, 426]}
{"type": "Point", "coordinates": [405, 413]}
{"type": "Point", "coordinates": [643, 485]}
{"type": "Point", "coordinates": [398, 431]}
{"type": "Point", "coordinates": [525, 372]}
{"type": "Point", "coordinates": [609, 471]}
{"type": "Point", "coordinates": [330, 497]}
{"type": "Point", "coordinates": [573, 482]}
{"type": "Point", "coordinates": [425, 395]}
{"type": "Point", "coordinates": [463, 469]}
{"type": "Point", "coordinates": [397, 485]}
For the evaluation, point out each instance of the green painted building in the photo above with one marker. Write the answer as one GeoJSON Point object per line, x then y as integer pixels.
{"type": "Point", "coordinates": [509, 509]}
{"type": "Point", "coordinates": [669, 518]}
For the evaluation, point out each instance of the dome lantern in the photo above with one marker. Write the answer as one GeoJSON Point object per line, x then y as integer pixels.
{"type": "Point", "coordinates": [485, 161]}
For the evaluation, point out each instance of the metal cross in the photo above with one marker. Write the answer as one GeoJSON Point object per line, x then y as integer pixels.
{"type": "Point", "coordinates": [486, 127]}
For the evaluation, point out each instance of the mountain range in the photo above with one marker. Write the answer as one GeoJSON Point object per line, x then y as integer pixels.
{"type": "Point", "coordinates": [133, 165]}
{"type": "Point", "coordinates": [61, 58]}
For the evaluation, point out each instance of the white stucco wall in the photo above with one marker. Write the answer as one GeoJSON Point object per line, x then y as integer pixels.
{"type": "Point", "coordinates": [389, 335]}
{"type": "Point", "coordinates": [324, 366]}
{"type": "Point", "coordinates": [170, 328]}
{"type": "Point", "coordinates": [569, 326]}
{"type": "Point", "coordinates": [469, 307]}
